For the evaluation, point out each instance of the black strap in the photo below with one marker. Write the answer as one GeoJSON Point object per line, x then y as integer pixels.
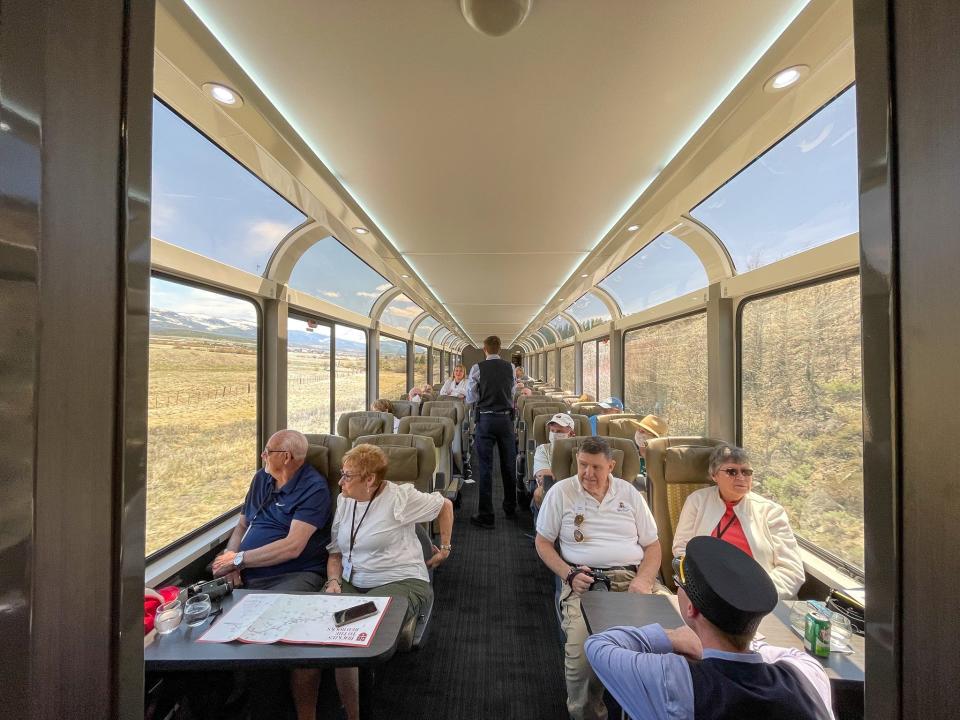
{"type": "Point", "coordinates": [725, 527]}
{"type": "Point", "coordinates": [354, 530]}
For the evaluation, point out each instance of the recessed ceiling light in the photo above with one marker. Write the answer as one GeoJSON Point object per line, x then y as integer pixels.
{"type": "Point", "coordinates": [4, 127]}
{"type": "Point", "coordinates": [633, 228]}
{"type": "Point", "coordinates": [223, 95]}
{"type": "Point", "coordinates": [405, 276]}
{"type": "Point", "coordinates": [360, 230]}
{"type": "Point", "coordinates": [563, 298]}
{"type": "Point", "coordinates": [785, 78]}
{"type": "Point", "coordinates": [585, 275]}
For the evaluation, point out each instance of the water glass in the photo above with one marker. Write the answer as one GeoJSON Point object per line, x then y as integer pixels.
{"type": "Point", "coordinates": [168, 617]}
{"type": "Point", "coordinates": [197, 610]}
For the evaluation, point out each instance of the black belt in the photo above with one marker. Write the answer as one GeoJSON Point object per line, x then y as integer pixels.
{"type": "Point", "coordinates": [631, 568]}
{"type": "Point", "coordinates": [495, 412]}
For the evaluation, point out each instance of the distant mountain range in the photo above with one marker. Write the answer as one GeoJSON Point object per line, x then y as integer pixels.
{"type": "Point", "coordinates": [170, 323]}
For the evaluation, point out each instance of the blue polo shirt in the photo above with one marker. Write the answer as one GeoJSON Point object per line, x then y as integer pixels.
{"type": "Point", "coordinates": [305, 497]}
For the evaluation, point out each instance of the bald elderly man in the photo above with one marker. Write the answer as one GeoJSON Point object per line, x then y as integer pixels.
{"type": "Point", "coordinates": [280, 541]}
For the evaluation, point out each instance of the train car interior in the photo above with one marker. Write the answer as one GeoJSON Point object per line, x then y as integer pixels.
{"type": "Point", "coordinates": [690, 224]}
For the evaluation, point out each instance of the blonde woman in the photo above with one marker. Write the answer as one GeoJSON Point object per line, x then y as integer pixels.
{"type": "Point", "coordinates": [456, 385]}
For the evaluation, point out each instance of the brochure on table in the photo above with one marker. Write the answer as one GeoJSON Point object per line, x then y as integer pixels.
{"type": "Point", "coordinates": [270, 618]}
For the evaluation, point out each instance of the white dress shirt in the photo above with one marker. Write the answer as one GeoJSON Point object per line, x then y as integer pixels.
{"type": "Point", "coordinates": [452, 387]}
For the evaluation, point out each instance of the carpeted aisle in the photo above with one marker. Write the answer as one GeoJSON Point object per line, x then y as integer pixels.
{"type": "Point", "coordinates": [494, 647]}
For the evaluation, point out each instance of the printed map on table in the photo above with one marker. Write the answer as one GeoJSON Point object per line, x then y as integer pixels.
{"type": "Point", "coordinates": [270, 618]}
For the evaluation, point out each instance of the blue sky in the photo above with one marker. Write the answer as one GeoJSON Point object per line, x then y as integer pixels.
{"type": "Point", "coordinates": [177, 297]}
{"type": "Point", "coordinates": [400, 312]}
{"type": "Point", "coordinates": [589, 307]}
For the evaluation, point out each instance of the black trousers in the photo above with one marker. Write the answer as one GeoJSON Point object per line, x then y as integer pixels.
{"type": "Point", "coordinates": [495, 430]}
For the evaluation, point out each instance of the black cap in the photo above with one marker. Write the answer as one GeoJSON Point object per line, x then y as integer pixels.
{"type": "Point", "coordinates": [725, 584]}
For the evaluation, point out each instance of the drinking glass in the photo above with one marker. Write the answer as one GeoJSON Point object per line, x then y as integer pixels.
{"type": "Point", "coordinates": [197, 609]}
{"type": "Point", "coordinates": [168, 617]}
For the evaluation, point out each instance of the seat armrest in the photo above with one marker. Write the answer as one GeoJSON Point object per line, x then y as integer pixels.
{"type": "Point", "coordinates": [440, 481]}
{"type": "Point", "coordinates": [522, 425]}
{"type": "Point", "coordinates": [531, 446]}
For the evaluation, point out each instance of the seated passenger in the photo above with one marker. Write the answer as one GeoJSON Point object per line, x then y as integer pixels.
{"type": "Point", "coordinates": [650, 428]}
{"type": "Point", "coordinates": [521, 375]}
{"type": "Point", "coordinates": [520, 391]}
{"type": "Point", "coordinates": [421, 393]}
{"type": "Point", "coordinates": [279, 543]}
{"type": "Point", "coordinates": [611, 406]}
{"type": "Point", "coordinates": [586, 397]}
{"type": "Point", "coordinates": [560, 426]}
{"type": "Point", "coordinates": [603, 523]}
{"type": "Point", "coordinates": [374, 546]}
{"type": "Point", "coordinates": [457, 385]}
{"type": "Point", "coordinates": [753, 523]}
{"type": "Point", "coordinates": [384, 405]}
{"type": "Point", "coordinates": [706, 668]}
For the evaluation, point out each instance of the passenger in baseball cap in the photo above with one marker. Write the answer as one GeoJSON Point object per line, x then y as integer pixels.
{"type": "Point", "coordinates": [559, 426]}
{"type": "Point", "coordinates": [711, 667]}
{"type": "Point", "coordinates": [610, 406]}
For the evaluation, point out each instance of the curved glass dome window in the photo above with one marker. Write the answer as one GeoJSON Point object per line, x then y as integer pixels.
{"type": "Point", "coordinates": [401, 312]}
{"type": "Point", "coordinates": [548, 334]}
{"type": "Point", "coordinates": [589, 311]}
{"type": "Point", "coordinates": [800, 193]}
{"type": "Point", "coordinates": [331, 272]}
{"type": "Point", "coordinates": [207, 202]}
{"type": "Point", "coordinates": [562, 326]}
{"type": "Point", "coordinates": [426, 326]}
{"type": "Point", "coordinates": [663, 270]}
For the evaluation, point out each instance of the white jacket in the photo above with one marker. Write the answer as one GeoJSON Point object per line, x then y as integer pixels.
{"type": "Point", "coordinates": [765, 526]}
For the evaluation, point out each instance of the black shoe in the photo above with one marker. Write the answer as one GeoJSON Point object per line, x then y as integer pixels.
{"type": "Point", "coordinates": [484, 521]}
{"type": "Point", "coordinates": [509, 511]}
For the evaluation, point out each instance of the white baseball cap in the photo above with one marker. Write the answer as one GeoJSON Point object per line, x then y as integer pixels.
{"type": "Point", "coordinates": [563, 420]}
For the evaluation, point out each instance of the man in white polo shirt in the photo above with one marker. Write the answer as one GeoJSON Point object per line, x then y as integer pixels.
{"type": "Point", "coordinates": [602, 523]}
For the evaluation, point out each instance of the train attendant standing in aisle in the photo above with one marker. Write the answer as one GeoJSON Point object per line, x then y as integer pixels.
{"type": "Point", "coordinates": [457, 385]}
{"type": "Point", "coordinates": [489, 391]}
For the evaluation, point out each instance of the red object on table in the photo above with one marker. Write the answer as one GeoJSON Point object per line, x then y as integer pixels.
{"type": "Point", "coordinates": [150, 605]}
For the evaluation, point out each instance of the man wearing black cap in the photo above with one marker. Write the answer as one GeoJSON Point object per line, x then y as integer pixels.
{"type": "Point", "coordinates": [489, 390]}
{"type": "Point", "coordinates": [705, 669]}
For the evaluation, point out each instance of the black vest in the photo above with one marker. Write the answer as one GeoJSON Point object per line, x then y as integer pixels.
{"type": "Point", "coordinates": [771, 691]}
{"type": "Point", "coordinates": [495, 386]}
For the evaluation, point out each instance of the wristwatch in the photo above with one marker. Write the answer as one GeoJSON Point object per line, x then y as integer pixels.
{"type": "Point", "coordinates": [238, 560]}
{"type": "Point", "coordinates": [446, 546]}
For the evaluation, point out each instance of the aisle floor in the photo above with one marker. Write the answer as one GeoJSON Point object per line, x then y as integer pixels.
{"type": "Point", "coordinates": [494, 649]}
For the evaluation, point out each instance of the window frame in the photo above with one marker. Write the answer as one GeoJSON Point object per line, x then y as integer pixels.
{"type": "Point", "coordinates": [822, 553]}
{"type": "Point", "coordinates": [261, 390]}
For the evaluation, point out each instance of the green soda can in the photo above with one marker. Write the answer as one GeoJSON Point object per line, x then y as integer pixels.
{"type": "Point", "coordinates": [816, 638]}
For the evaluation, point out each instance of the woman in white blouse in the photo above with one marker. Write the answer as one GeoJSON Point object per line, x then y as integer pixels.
{"type": "Point", "coordinates": [732, 512]}
{"type": "Point", "coordinates": [457, 385]}
{"type": "Point", "coordinates": [374, 546]}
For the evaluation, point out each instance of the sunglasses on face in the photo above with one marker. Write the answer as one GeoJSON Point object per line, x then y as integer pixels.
{"type": "Point", "coordinates": [577, 533]}
{"type": "Point", "coordinates": [733, 472]}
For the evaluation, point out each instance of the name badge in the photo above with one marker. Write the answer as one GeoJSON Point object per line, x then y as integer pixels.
{"type": "Point", "coordinates": [622, 507]}
{"type": "Point", "coordinates": [347, 570]}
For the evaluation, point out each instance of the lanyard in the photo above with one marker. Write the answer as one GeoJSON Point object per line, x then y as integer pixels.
{"type": "Point", "coordinates": [725, 527]}
{"type": "Point", "coordinates": [355, 529]}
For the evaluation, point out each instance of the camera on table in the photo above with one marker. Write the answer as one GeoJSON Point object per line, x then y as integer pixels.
{"type": "Point", "coordinates": [601, 581]}
{"type": "Point", "coordinates": [216, 588]}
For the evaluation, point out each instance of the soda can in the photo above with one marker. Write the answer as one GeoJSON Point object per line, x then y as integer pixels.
{"type": "Point", "coordinates": [816, 638]}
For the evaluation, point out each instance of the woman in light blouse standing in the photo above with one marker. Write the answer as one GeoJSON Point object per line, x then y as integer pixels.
{"type": "Point", "coordinates": [374, 546]}
{"type": "Point", "coordinates": [731, 511]}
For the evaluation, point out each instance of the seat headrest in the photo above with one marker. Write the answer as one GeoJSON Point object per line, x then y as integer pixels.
{"type": "Point", "coordinates": [439, 429]}
{"type": "Point", "coordinates": [680, 460]}
{"type": "Point", "coordinates": [411, 458]}
{"type": "Point", "coordinates": [453, 409]}
{"type": "Point", "coordinates": [625, 455]}
{"type": "Point", "coordinates": [368, 422]}
{"type": "Point", "coordinates": [581, 426]}
{"type": "Point", "coordinates": [325, 453]}
{"type": "Point", "coordinates": [622, 425]}
{"type": "Point", "coordinates": [404, 408]}
{"type": "Point", "coordinates": [586, 408]}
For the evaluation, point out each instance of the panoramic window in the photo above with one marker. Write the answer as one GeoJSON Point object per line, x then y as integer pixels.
{"type": "Point", "coordinates": [401, 312]}
{"type": "Point", "coordinates": [207, 202]}
{"type": "Point", "coordinates": [548, 335]}
{"type": "Point", "coordinates": [589, 354]}
{"type": "Point", "coordinates": [665, 373]}
{"type": "Point", "coordinates": [562, 327]}
{"type": "Point", "coordinates": [426, 326]}
{"type": "Point", "coordinates": [568, 369]}
{"type": "Point", "coordinates": [589, 311]}
{"type": "Point", "coordinates": [202, 408]}
{"type": "Point", "coordinates": [801, 409]}
{"type": "Point", "coordinates": [552, 368]}
{"type": "Point", "coordinates": [351, 370]}
{"type": "Point", "coordinates": [331, 272]}
{"type": "Point", "coordinates": [800, 193]}
{"type": "Point", "coordinates": [436, 374]}
{"type": "Point", "coordinates": [420, 366]}
{"type": "Point", "coordinates": [308, 375]}
{"type": "Point", "coordinates": [603, 368]}
{"type": "Point", "coordinates": [392, 364]}
{"type": "Point", "coordinates": [663, 270]}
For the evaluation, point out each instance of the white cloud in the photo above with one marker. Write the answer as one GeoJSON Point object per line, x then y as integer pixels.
{"type": "Point", "coordinates": [383, 287]}
{"type": "Point", "coordinates": [265, 235]}
{"type": "Point", "coordinates": [330, 293]}
{"type": "Point", "coordinates": [166, 295]}
{"type": "Point", "coordinates": [362, 293]}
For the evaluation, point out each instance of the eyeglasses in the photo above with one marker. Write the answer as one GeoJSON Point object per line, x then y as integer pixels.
{"type": "Point", "coordinates": [267, 451]}
{"type": "Point", "coordinates": [350, 475]}
{"type": "Point", "coordinates": [733, 472]}
{"type": "Point", "coordinates": [578, 521]}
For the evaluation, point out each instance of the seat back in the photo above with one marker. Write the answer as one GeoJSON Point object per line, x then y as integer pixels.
{"type": "Point", "coordinates": [443, 408]}
{"type": "Point", "coordinates": [622, 425]}
{"type": "Point", "coordinates": [530, 411]}
{"type": "Point", "coordinates": [442, 432]}
{"type": "Point", "coordinates": [586, 408]}
{"type": "Point", "coordinates": [563, 461]}
{"type": "Point", "coordinates": [411, 458]}
{"type": "Point", "coordinates": [581, 426]}
{"type": "Point", "coordinates": [352, 425]}
{"type": "Point", "coordinates": [405, 408]}
{"type": "Point", "coordinates": [676, 467]}
{"type": "Point", "coordinates": [325, 453]}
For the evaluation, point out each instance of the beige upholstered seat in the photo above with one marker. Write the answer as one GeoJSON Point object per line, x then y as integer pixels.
{"type": "Point", "coordinates": [325, 453]}
{"type": "Point", "coordinates": [586, 408]}
{"type": "Point", "coordinates": [622, 425]}
{"type": "Point", "coordinates": [564, 458]}
{"type": "Point", "coordinates": [352, 425]}
{"type": "Point", "coordinates": [405, 408]}
{"type": "Point", "coordinates": [581, 426]}
{"type": "Point", "coordinates": [456, 410]}
{"type": "Point", "coordinates": [411, 458]}
{"type": "Point", "coordinates": [676, 467]}
{"type": "Point", "coordinates": [441, 432]}
{"type": "Point", "coordinates": [530, 412]}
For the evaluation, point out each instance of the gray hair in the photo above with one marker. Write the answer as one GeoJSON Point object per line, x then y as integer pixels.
{"type": "Point", "coordinates": [725, 453]}
{"type": "Point", "coordinates": [294, 442]}
{"type": "Point", "coordinates": [596, 446]}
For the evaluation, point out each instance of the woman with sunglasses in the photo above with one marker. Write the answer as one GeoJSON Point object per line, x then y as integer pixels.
{"type": "Point", "coordinates": [732, 512]}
